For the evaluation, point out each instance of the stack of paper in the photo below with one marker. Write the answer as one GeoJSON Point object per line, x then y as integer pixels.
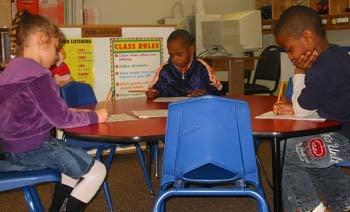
{"type": "Point", "coordinates": [120, 117]}
{"type": "Point", "coordinates": [142, 114]}
{"type": "Point", "coordinates": [271, 115]}
{"type": "Point", "coordinates": [171, 99]}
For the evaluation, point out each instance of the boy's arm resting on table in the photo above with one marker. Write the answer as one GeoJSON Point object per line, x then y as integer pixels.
{"type": "Point", "coordinates": [298, 86]}
{"type": "Point", "coordinates": [52, 106]}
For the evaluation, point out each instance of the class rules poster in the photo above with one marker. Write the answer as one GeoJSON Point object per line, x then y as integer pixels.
{"type": "Point", "coordinates": [133, 64]}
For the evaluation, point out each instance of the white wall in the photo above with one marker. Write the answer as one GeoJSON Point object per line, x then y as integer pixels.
{"type": "Point", "coordinates": [149, 11]}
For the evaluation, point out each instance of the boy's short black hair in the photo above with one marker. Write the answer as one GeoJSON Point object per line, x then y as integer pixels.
{"type": "Point", "coordinates": [181, 34]}
{"type": "Point", "coordinates": [296, 19]}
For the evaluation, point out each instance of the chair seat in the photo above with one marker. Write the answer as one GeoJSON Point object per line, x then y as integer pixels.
{"type": "Point", "coordinates": [210, 173]}
{"type": "Point", "coordinates": [255, 89]}
{"type": "Point", "coordinates": [90, 145]}
{"type": "Point", "coordinates": [344, 164]}
{"type": "Point", "coordinates": [18, 179]}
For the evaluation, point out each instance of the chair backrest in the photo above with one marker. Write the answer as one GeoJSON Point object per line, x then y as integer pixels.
{"type": "Point", "coordinates": [77, 94]}
{"type": "Point", "coordinates": [209, 129]}
{"type": "Point", "coordinates": [269, 65]}
{"type": "Point", "coordinates": [289, 90]}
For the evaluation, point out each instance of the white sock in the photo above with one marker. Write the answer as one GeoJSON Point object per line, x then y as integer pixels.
{"type": "Point", "coordinates": [319, 208]}
{"type": "Point", "coordinates": [86, 189]}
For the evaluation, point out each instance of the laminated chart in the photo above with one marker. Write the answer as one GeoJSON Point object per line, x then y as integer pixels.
{"type": "Point", "coordinates": [133, 63]}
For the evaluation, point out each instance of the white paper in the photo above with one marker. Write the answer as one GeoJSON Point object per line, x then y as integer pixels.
{"type": "Point", "coordinates": [120, 117]}
{"type": "Point", "coordinates": [142, 114]}
{"type": "Point", "coordinates": [171, 99]}
{"type": "Point", "coordinates": [271, 115]}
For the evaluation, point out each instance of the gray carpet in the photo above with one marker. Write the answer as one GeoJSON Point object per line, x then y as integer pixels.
{"type": "Point", "coordinates": [129, 192]}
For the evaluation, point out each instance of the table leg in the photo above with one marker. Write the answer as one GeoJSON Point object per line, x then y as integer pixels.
{"type": "Point", "coordinates": [235, 77]}
{"type": "Point", "coordinates": [276, 174]}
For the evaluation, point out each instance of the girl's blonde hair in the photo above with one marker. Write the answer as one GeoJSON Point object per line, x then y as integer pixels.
{"type": "Point", "coordinates": [25, 24]}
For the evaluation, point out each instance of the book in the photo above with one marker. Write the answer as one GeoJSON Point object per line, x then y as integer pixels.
{"type": "Point", "coordinates": [143, 114]}
{"type": "Point", "coordinates": [271, 115]}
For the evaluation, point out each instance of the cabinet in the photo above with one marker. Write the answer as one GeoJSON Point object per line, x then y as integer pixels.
{"type": "Point", "coordinates": [337, 17]}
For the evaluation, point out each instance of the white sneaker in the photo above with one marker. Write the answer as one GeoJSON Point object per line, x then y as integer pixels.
{"type": "Point", "coordinates": [347, 209]}
{"type": "Point", "coordinates": [320, 208]}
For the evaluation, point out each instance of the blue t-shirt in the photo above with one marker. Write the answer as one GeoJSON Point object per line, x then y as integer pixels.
{"type": "Point", "coordinates": [327, 87]}
{"type": "Point", "coordinates": [172, 83]}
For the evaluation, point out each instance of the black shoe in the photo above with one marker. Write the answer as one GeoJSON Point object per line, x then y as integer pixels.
{"type": "Point", "coordinates": [61, 193]}
{"type": "Point", "coordinates": [73, 205]}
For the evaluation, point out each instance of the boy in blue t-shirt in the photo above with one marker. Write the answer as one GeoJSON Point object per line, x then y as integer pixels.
{"type": "Point", "coordinates": [183, 74]}
{"type": "Point", "coordinates": [321, 85]}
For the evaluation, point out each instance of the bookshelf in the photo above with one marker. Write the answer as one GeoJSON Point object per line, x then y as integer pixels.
{"type": "Point", "coordinates": [337, 18]}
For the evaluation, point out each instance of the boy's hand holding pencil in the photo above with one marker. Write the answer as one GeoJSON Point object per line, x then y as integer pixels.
{"type": "Point", "coordinates": [152, 93]}
{"type": "Point", "coordinates": [281, 107]}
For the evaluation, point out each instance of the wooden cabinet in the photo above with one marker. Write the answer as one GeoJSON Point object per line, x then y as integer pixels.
{"type": "Point", "coordinates": [337, 17]}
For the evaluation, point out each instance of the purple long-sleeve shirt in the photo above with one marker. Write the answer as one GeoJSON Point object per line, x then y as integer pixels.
{"type": "Point", "coordinates": [30, 106]}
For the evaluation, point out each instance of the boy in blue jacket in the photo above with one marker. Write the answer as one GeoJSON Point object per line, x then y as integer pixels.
{"type": "Point", "coordinates": [183, 74]}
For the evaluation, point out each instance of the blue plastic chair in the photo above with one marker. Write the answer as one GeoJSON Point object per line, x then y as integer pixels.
{"type": "Point", "coordinates": [209, 141]}
{"type": "Point", "coordinates": [78, 94]}
{"type": "Point", "coordinates": [26, 180]}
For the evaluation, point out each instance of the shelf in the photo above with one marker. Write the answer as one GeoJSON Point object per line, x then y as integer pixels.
{"type": "Point", "coordinates": [330, 22]}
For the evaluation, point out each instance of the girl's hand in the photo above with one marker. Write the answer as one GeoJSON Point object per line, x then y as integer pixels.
{"type": "Point", "coordinates": [283, 108]}
{"type": "Point", "coordinates": [197, 93]}
{"type": "Point", "coordinates": [305, 61]}
{"type": "Point", "coordinates": [102, 114]}
{"type": "Point", "coordinates": [152, 93]}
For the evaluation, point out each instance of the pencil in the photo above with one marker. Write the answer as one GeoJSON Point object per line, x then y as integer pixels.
{"type": "Point", "coordinates": [108, 97]}
{"type": "Point", "coordinates": [280, 93]}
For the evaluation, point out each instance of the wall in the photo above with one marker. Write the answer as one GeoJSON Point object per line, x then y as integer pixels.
{"type": "Point", "coordinates": [149, 11]}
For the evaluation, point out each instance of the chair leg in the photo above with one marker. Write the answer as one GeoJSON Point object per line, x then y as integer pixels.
{"type": "Point", "coordinates": [144, 169]}
{"type": "Point", "coordinates": [107, 195]}
{"type": "Point", "coordinates": [32, 199]}
{"type": "Point", "coordinates": [156, 156]}
{"type": "Point", "coordinates": [107, 163]}
{"type": "Point", "coordinates": [149, 151]}
{"type": "Point", "coordinates": [153, 154]}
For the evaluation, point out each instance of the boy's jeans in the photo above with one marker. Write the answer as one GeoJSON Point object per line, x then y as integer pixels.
{"type": "Point", "coordinates": [309, 172]}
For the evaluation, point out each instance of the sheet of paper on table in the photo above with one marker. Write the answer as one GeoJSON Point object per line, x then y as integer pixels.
{"type": "Point", "coordinates": [143, 114]}
{"type": "Point", "coordinates": [171, 99]}
{"type": "Point", "coordinates": [120, 117]}
{"type": "Point", "coordinates": [271, 115]}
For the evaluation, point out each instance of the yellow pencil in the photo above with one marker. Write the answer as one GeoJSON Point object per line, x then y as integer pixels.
{"type": "Point", "coordinates": [108, 98]}
{"type": "Point", "coordinates": [280, 93]}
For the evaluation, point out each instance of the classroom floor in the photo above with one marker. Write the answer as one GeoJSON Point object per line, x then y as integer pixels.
{"type": "Point", "coordinates": [129, 192]}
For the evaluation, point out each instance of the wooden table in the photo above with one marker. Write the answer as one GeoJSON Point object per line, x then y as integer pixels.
{"type": "Point", "coordinates": [154, 128]}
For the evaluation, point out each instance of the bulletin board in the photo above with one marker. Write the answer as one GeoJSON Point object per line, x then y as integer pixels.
{"type": "Point", "coordinates": [101, 41]}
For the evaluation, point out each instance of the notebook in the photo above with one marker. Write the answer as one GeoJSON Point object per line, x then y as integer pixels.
{"type": "Point", "coordinates": [142, 114]}
{"type": "Point", "coordinates": [271, 115]}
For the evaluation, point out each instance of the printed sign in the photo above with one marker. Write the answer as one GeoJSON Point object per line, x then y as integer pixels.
{"type": "Point", "coordinates": [133, 63]}
{"type": "Point", "coordinates": [79, 58]}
